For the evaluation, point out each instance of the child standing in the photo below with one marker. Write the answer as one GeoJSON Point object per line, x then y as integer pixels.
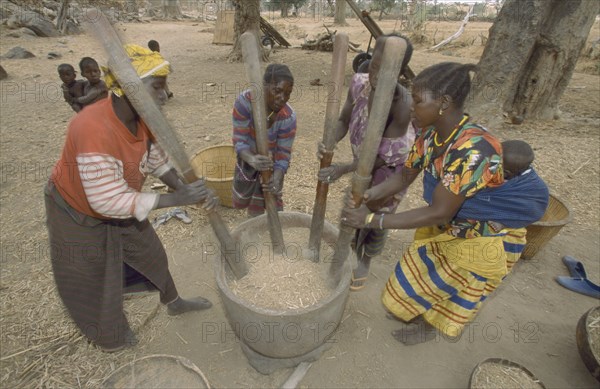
{"type": "Point", "coordinates": [94, 88]}
{"type": "Point", "coordinates": [71, 87]}
{"type": "Point", "coordinates": [154, 46]}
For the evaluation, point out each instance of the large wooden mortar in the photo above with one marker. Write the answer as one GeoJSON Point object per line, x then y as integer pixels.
{"type": "Point", "coordinates": [284, 333]}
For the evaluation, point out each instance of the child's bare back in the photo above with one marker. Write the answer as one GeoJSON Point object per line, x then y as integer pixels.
{"type": "Point", "coordinates": [94, 88]}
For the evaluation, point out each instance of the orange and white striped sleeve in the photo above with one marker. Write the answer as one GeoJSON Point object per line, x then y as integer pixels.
{"type": "Point", "coordinates": [107, 191]}
{"type": "Point", "coordinates": [158, 161]}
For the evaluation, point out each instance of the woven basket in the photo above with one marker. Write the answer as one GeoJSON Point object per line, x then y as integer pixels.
{"type": "Point", "coordinates": [217, 165]}
{"type": "Point", "coordinates": [509, 368]}
{"type": "Point", "coordinates": [157, 371]}
{"type": "Point", "coordinates": [557, 215]}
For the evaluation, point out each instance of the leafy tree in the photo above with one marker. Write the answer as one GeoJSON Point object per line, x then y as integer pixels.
{"type": "Point", "coordinates": [383, 6]}
{"type": "Point", "coordinates": [247, 18]}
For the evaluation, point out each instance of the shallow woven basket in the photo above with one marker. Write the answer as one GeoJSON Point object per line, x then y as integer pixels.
{"type": "Point", "coordinates": [217, 165]}
{"type": "Point", "coordinates": [589, 352]}
{"type": "Point", "coordinates": [157, 371]}
{"type": "Point", "coordinates": [557, 215]}
{"type": "Point", "coordinates": [505, 363]}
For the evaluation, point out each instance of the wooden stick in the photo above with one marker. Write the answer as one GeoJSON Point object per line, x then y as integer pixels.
{"type": "Point", "coordinates": [296, 376]}
{"type": "Point", "coordinates": [332, 111]}
{"type": "Point", "coordinates": [393, 54]}
{"type": "Point", "coordinates": [254, 74]}
{"type": "Point", "coordinates": [582, 165]}
{"type": "Point", "coordinates": [136, 92]}
{"type": "Point", "coordinates": [457, 33]}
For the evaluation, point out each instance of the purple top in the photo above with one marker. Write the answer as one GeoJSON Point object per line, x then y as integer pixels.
{"type": "Point", "coordinates": [393, 151]}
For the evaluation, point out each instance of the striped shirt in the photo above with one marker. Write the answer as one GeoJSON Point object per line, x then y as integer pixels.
{"type": "Point", "coordinates": [281, 134]}
{"type": "Point", "coordinates": [103, 165]}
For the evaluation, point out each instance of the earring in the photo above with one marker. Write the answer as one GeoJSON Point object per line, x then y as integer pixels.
{"type": "Point", "coordinates": [441, 112]}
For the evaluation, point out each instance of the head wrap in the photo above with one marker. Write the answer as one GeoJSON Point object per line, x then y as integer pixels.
{"type": "Point", "coordinates": [145, 62]}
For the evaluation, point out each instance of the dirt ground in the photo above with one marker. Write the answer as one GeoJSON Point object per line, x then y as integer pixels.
{"type": "Point", "coordinates": [530, 320]}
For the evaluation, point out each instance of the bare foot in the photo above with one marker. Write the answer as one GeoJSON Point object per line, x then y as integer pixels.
{"type": "Point", "coordinates": [180, 305]}
{"type": "Point", "coordinates": [391, 316]}
{"type": "Point", "coordinates": [129, 341]}
{"type": "Point", "coordinates": [415, 333]}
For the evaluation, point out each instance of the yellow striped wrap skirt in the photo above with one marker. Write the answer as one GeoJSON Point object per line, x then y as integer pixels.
{"type": "Point", "coordinates": [446, 279]}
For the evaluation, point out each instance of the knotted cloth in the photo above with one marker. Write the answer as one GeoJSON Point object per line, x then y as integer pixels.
{"type": "Point", "coordinates": [145, 62]}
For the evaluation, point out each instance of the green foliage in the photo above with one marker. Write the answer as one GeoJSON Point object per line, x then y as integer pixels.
{"type": "Point", "coordinates": [279, 4]}
{"type": "Point", "coordinates": [382, 5]}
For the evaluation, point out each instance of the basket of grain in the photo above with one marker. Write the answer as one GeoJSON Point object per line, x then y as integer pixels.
{"type": "Point", "coordinates": [588, 340]}
{"type": "Point", "coordinates": [157, 371]}
{"type": "Point", "coordinates": [557, 215]}
{"type": "Point", "coordinates": [217, 165]}
{"type": "Point", "coordinates": [496, 373]}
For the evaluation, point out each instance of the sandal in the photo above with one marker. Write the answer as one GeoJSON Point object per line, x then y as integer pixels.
{"type": "Point", "coordinates": [580, 285]}
{"type": "Point", "coordinates": [353, 280]}
{"type": "Point", "coordinates": [575, 267]}
{"type": "Point", "coordinates": [181, 215]}
{"type": "Point", "coordinates": [162, 219]}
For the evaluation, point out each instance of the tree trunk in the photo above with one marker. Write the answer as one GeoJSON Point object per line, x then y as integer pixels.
{"type": "Point", "coordinates": [61, 20]}
{"type": "Point", "coordinates": [131, 7]}
{"type": "Point", "coordinates": [247, 18]}
{"type": "Point", "coordinates": [171, 9]}
{"type": "Point", "coordinates": [154, 8]}
{"type": "Point", "coordinates": [340, 13]}
{"type": "Point", "coordinates": [285, 7]}
{"type": "Point", "coordinates": [530, 56]}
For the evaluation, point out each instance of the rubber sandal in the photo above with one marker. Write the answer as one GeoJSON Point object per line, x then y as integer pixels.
{"type": "Point", "coordinates": [575, 267]}
{"type": "Point", "coordinates": [181, 215]}
{"type": "Point", "coordinates": [580, 285]}
{"type": "Point", "coordinates": [355, 288]}
{"type": "Point", "coordinates": [162, 219]}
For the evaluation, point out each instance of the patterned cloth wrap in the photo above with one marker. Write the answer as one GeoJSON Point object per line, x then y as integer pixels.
{"type": "Point", "coordinates": [519, 202]}
{"type": "Point", "coordinates": [145, 62]}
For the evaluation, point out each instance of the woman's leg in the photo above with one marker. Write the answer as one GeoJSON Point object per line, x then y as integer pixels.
{"type": "Point", "coordinates": [415, 332]}
{"type": "Point", "coordinates": [369, 243]}
{"type": "Point", "coordinates": [88, 273]}
{"type": "Point", "coordinates": [145, 253]}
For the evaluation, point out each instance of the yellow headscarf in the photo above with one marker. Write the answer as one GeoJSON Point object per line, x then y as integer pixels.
{"type": "Point", "coordinates": [145, 62]}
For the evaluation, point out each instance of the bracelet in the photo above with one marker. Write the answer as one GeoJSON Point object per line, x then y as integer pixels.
{"type": "Point", "coordinates": [369, 219]}
{"type": "Point", "coordinates": [381, 221]}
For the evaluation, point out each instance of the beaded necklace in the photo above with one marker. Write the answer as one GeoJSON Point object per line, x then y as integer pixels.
{"type": "Point", "coordinates": [458, 126]}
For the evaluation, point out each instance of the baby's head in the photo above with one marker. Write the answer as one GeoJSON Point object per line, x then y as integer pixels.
{"type": "Point", "coordinates": [66, 73]}
{"type": "Point", "coordinates": [517, 157]}
{"type": "Point", "coordinates": [153, 45]}
{"type": "Point", "coordinates": [90, 70]}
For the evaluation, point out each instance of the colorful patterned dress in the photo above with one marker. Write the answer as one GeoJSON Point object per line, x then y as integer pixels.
{"type": "Point", "coordinates": [247, 191]}
{"type": "Point", "coordinates": [448, 271]}
{"type": "Point", "coordinates": [393, 151]}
